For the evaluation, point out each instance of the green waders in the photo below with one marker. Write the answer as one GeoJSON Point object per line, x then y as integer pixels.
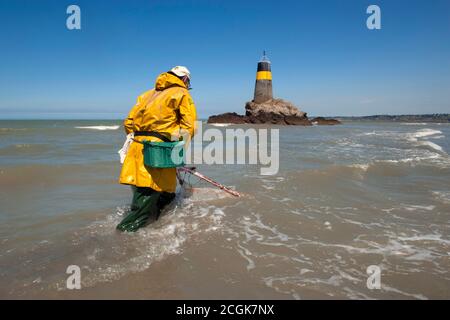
{"type": "Point", "coordinates": [145, 208]}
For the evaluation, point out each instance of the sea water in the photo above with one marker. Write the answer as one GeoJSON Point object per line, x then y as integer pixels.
{"type": "Point", "coordinates": [345, 198]}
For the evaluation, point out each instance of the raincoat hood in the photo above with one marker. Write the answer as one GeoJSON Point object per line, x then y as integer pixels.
{"type": "Point", "coordinates": [166, 80]}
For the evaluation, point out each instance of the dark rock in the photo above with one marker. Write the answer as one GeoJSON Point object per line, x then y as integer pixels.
{"type": "Point", "coordinates": [229, 117]}
{"type": "Point", "coordinates": [325, 122]}
{"type": "Point", "coordinates": [271, 118]}
{"type": "Point", "coordinates": [298, 121]}
{"type": "Point", "coordinates": [261, 118]}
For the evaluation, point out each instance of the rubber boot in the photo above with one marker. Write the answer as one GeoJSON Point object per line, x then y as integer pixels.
{"type": "Point", "coordinates": [145, 208]}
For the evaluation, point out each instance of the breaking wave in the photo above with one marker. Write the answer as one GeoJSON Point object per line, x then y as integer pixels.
{"type": "Point", "coordinates": [220, 124]}
{"type": "Point", "coordinates": [424, 133]}
{"type": "Point", "coordinates": [12, 129]}
{"type": "Point", "coordinates": [102, 128]}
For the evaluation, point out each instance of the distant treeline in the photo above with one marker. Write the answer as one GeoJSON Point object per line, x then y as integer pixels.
{"type": "Point", "coordinates": [437, 117]}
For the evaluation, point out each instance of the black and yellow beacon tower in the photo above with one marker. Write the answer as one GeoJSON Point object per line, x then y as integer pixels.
{"type": "Point", "coordinates": [263, 85]}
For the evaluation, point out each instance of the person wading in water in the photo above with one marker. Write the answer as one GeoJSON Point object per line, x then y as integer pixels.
{"type": "Point", "coordinates": [161, 114]}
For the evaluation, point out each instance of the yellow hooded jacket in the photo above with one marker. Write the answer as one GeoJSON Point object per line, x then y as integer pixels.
{"type": "Point", "coordinates": [165, 109]}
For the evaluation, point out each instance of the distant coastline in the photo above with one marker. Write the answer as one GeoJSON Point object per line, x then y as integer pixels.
{"type": "Point", "coordinates": [412, 118]}
{"type": "Point", "coordinates": [435, 117]}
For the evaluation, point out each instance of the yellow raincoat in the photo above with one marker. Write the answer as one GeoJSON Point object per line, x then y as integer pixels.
{"type": "Point", "coordinates": [165, 109]}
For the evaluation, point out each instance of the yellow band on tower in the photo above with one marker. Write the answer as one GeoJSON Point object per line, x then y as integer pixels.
{"type": "Point", "coordinates": [264, 75]}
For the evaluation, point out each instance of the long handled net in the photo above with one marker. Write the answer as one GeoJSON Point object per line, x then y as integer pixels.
{"type": "Point", "coordinates": [193, 172]}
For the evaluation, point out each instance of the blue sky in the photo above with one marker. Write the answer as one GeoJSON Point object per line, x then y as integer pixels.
{"type": "Point", "coordinates": [324, 59]}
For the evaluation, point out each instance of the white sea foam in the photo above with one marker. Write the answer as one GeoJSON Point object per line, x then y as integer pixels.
{"type": "Point", "coordinates": [426, 237]}
{"type": "Point", "coordinates": [424, 133]}
{"type": "Point", "coordinates": [442, 196]}
{"type": "Point", "coordinates": [363, 167]}
{"type": "Point", "coordinates": [413, 160]}
{"type": "Point", "coordinates": [415, 296]}
{"type": "Point", "coordinates": [131, 252]}
{"type": "Point", "coordinates": [204, 194]}
{"type": "Point", "coordinates": [410, 208]}
{"type": "Point", "coordinates": [431, 145]}
{"type": "Point", "coordinates": [417, 207]}
{"type": "Point", "coordinates": [270, 183]}
{"type": "Point", "coordinates": [102, 128]}
{"type": "Point", "coordinates": [430, 156]}
{"type": "Point", "coordinates": [394, 247]}
{"type": "Point", "coordinates": [12, 129]}
{"type": "Point", "coordinates": [245, 253]}
{"type": "Point", "coordinates": [220, 124]}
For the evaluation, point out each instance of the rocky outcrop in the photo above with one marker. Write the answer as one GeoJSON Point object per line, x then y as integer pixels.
{"type": "Point", "coordinates": [296, 121]}
{"type": "Point", "coordinates": [274, 106]}
{"type": "Point", "coordinates": [273, 111]}
{"type": "Point", "coordinates": [229, 117]}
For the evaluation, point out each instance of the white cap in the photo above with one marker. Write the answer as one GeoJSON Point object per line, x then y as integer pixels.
{"type": "Point", "coordinates": [181, 71]}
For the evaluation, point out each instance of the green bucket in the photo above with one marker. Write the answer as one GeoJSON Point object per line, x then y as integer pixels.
{"type": "Point", "coordinates": [163, 154]}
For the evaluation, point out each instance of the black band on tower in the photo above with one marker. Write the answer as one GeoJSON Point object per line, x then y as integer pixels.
{"type": "Point", "coordinates": [264, 66]}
